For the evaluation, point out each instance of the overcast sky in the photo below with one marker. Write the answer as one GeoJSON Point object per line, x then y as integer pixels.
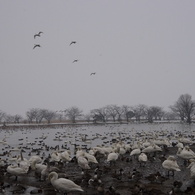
{"type": "Point", "coordinates": [143, 52]}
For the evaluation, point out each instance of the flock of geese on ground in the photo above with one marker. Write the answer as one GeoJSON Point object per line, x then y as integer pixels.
{"type": "Point", "coordinates": [93, 164]}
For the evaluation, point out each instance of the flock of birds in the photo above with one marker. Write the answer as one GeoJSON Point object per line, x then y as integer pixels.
{"type": "Point", "coordinates": [72, 42]}
{"type": "Point", "coordinates": [87, 169]}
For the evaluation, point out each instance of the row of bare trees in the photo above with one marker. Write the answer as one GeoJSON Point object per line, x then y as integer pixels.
{"type": "Point", "coordinates": [183, 109]}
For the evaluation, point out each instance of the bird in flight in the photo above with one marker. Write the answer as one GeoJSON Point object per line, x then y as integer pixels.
{"type": "Point", "coordinates": [73, 42]}
{"type": "Point", "coordinates": [36, 45]}
{"type": "Point", "coordinates": [75, 61]}
{"type": "Point", "coordinates": [38, 34]}
{"type": "Point", "coordinates": [93, 73]}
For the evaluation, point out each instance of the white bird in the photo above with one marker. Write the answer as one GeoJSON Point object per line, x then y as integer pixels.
{"type": "Point", "coordinates": [83, 163]}
{"type": "Point", "coordinates": [55, 157]}
{"type": "Point", "coordinates": [185, 153]}
{"type": "Point", "coordinates": [23, 162]}
{"type": "Point", "coordinates": [62, 184]}
{"type": "Point", "coordinates": [192, 168]}
{"type": "Point", "coordinates": [142, 158]}
{"type": "Point", "coordinates": [37, 167]}
{"type": "Point", "coordinates": [171, 165]}
{"type": "Point", "coordinates": [65, 156]}
{"type": "Point", "coordinates": [112, 157]}
{"type": "Point", "coordinates": [90, 158]}
{"type": "Point", "coordinates": [35, 158]}
{"type": "Point", "coordinates": [16, 170]}
{"type": "Point", "coordinates": [135, 152]}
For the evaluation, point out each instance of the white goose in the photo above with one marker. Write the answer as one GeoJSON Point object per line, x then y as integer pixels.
{"type": "Point", "coordinates": [171, 165]}
{"type": "Point", "coordinates": [62, 184]}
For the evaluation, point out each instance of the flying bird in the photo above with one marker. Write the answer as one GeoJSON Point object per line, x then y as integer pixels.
{"type": "Point", "coordinates": [36, 45]}
{"type": "Point", "coordinates": [75, 61]}
{"type": "Point", "coordinates": [93, 73]}
{"type": "Point", "coordinates": [38, 34]}
{"type": "Point", "coordinates": [73, 42]}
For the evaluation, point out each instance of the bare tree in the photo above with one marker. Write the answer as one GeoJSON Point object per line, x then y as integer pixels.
{"type": "Point", "coordinates": [139, 111]}
{"type": "Point", "coordinates": [17, 118]}
{"type": "Point", "coordinates": [170, 116]}
{"type": "Point", "coordinates": [127, 112]}
{"type": "Point", "coordinates": [184, 107]}
{"type": "Point", "coordinates": [87, 117]}
{"type": "Point", "coordinates": [2, 116]}
{"type": "Point", "coordinates": [100, 114]}
{"type": "Point", "coordinates": [9, 118]}
{"type": "Point", "coordinates": [119, 112]}
{"type": "Point", "coordinates": [154, 112]}
{"type": "Point", "coordinates": [111, 111]}
{"type": "Point", "coordinates": [31, 114]}
{"type": "Point", "coordinates": [73, 113]}
{"type": "Point", "coordinates": [49, 115]}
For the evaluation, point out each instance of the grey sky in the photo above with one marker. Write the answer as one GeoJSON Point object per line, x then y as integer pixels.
{"type": "Point", "coordinates": [141, 50]}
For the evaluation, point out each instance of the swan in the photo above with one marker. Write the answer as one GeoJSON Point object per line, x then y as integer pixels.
{"type": "Point", "coordinates": [65, 156]}
{"type": "Point", "coordinates": [38, 159]}
{"type": "Point", "coordinates": [112, 157]}
{"type": "Point", "coordinates": [185, 140]}
{"type": "Point", "coordinates": [23, 162]}
{"type": "Point", "coordinates": [185, 153]}
{"type": "Point", "coordinates": [45, 171]}
{"type": "Point", "coordinates": [179, 145]}
{"type": "Point", "coordinates": [55, 157]}
{"type": "Point", "coordinates": [37, 167]}
{"type": "Point", "coordinates": [83, 163]}
{"type": "Point", "coordinates": [16, 171]}
{"type": "Point", "coordinates": [90, 158]}
{"type": "Point", "coordinates": [62, 184]}
{"type": "Point", "coordinates": [152, 148]}
{"type": "Point", "coordinates": [171, 165]}
{"type": "Point", "coordinates": [192, 168]}
{"type": "Point", "coordinates": [142, 158]}
{"type": "Point", "coordinates": [79, 152]}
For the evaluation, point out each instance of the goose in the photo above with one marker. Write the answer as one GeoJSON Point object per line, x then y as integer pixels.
{"type": "Point", "coordinates": [62, 184]}
{"type": "Point", "coordinates": [171, 165]}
